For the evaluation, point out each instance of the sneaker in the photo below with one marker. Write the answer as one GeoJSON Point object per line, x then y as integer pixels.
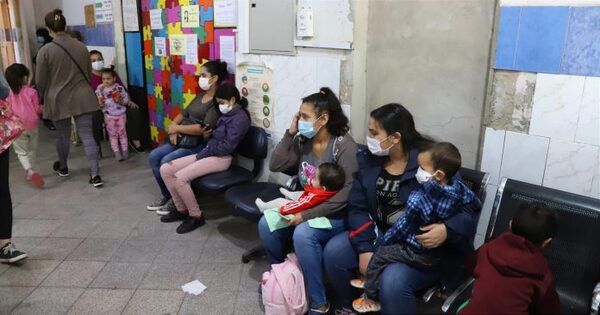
{"type": "Point", "coordinates": [118, 156]}
{"type": "Point", "coordinates": [344, 311]}
{"type": "Point", "coordinates": [62, 172]}
{"type": "Point", "coordinates": [158, 204]}
{"type": "Point", "coordinates": [365, 305]}
{"type": "Point", "coordinates": [358, 283]}
{"type": "Point", "coordinates": [10, 254]}
{"type": "Point", "coordinates": [190, 224]}
{"type": "Point", "coordinates": [318, 311]}
{"type": "Point", "coordinates": [125, 155]}
{"type": "Point", "coordinates": [173, 217]}
{"type": "Point", "coordinates": [96, 181]}
{"type": "Point", "coordinates": [167, 208]}
{"type": "Point", "coordinates": [34, 178]}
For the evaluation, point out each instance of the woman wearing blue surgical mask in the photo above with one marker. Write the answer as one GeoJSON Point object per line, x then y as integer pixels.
{"type": "Point", "coordinates": [318, 134]}
{"type": "Point", "coordinates": [42, 38]}
{"type": "Point", "coordinates": [377, 199]}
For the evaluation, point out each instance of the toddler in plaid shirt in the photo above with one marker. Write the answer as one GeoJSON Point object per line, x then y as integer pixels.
{"type": "Point", "coordinates": [439, 198]}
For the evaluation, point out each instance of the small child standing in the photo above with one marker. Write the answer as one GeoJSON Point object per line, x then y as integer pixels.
{"type": "Point", "coordinates": [113, 100]}
{"type": "Point", "coordinates": [321, 185]}
{"type": "Point", "coordinates": [25, 103]}
{"type": "Point", "coordinates": [511, 273]}
{"type": "Point", "coordinates": [438, 199]}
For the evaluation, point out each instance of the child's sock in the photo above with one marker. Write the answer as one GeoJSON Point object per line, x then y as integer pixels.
{"type": "Point", "coordinates": [118, 156]}
{"type": "Point", "coordinates": [260, 204]}
{"type": "Point", "coordinates": [291, 195]}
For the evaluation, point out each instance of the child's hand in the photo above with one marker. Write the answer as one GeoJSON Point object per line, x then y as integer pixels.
{"type": "Point", "coordinates": [207, 133]}
{"type": "Point", "coordinates": [133, 105]}
{"type": "Point", "coordinates": [363, 262]}
{"type": "Point", "coordinates": [101, 101]}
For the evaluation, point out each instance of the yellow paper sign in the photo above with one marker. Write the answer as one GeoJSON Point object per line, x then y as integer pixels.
{"type": "Point", "coordinates": [190, 16]}
{"type": "Point", "coordinates": [177, 44]}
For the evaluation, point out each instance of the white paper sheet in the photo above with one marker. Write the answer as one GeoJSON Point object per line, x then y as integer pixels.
{"type": "Point", "coordinates": [191, 49]}
{"type": "Point", "coordinates": [130, 16]}
{"type": "Point", "coordinates": [227, 51]}
{"type": "Point", "coordinates": [156, 19]}
{"type": "Point", "coordinates": [225, 13]}
{"type": "Point", "coordinates": [195, 287]}
{"type": "Point", "coordinates": [160, 46]}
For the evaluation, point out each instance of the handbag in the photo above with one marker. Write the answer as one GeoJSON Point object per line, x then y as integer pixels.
{"type": "Point", "coordinates": [11, 126]}
{"type": "Point", "coordinates": [189, 141]}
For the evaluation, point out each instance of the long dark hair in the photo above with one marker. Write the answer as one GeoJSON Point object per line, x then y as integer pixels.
{"type": "Point", "coordinates": [218, 68]}
{"type": "Point", "coordinates": [14, 76]}
{"type": "Point", "coordinates": [394, 118]}
{"type": "Point", "coordinates": [326, 102]}
{"type": "Point", "coordinates": [226, 91]}
{"type": "Point", "coordinates": [55, 21]}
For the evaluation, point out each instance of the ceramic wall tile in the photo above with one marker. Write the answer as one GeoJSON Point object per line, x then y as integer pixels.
{"type": "Point", "coordinates": [524, 157]}
{"type": "Point", "coordinates": [284, 110]}
{"type": "Point", "coordinates": [556, 104]}
{"type": "Point", "coordinates": [596, 183]}
{"type": "Point", "coordinates": [588, 126]}
{"type": "Point", "coordinates": [328, 73]}
{"type": "Point", "coordinates": [507, 37]}
{"type": "Point", "coordinates": [511, 100]}
{"type": "Point", "coordinates": [541, 37]}
{"type": "Point", "coordinates": [570, 166]}
{"type": "Point", "coordinates": [582, 48]}
{"type": "Point", "coordinates": [491, 157]}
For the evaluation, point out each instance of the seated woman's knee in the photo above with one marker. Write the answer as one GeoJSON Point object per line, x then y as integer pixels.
{"type": "Point", "coordinates": [304, 235]}
{"type": "Point", "coordinates": [395, 281]}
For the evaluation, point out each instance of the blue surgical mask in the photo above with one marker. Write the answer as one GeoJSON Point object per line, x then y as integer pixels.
{"type": "Point", "coordinates": [307, 128]}
{"type": "Point", "coordinates": [40, 39]}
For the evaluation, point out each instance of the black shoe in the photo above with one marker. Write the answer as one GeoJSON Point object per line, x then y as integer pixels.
{"type": "Point", "coordinates": [158, 204]}
{"type": "Point", "coordinates": [190, 224]}
{"type": "Point", "coordinates": [62, 172]}
{"type": "Point", "coordinates": [10, 254]}
{"type": "Point", "coordinates": [49, 124]}
{"type": "Point", "coordinates": [96, 181]}
{"type": "Point", "coordinates": [173, 216]}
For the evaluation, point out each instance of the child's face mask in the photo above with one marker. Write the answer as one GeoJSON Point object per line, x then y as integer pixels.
{"type": "Point", "coordinates": [423, 176]}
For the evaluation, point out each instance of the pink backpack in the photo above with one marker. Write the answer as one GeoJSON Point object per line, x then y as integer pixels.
{"type": "Point", "coordinates": [283, 288]}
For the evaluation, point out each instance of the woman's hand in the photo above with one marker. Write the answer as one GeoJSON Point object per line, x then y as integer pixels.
{"type": "Point", "coordinates": [173, 128]}
{"type": "Point", "coordinates": [297, 219]}
{"type": "Point", "coordinates": [363, 262]}
{"type": "Point", "coordinates": [173, 138]}
{"type": "Point", "coordinates": [132, 105]}
{"type": "Point", "coordinates": [294, 127]}
{"type": "Point", "coordinates": [433, 235]}
{"type": "Point", "coordinates": [207, 133]}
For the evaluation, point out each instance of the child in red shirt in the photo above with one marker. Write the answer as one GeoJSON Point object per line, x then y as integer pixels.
{"type": "Point", "coordinates": [322, 185]}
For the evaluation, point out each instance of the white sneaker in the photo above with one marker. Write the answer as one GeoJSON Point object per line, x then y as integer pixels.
{"type": "Point", "coordinates": [167, 208]}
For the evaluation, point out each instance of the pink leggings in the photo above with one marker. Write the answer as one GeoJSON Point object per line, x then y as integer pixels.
{"type": "Point", "coordinates": [178, 174]}
{"type": "Point", "coordinates": [115, 126]}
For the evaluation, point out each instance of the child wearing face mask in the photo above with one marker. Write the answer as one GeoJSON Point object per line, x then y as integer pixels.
{"type": "Point", "coordinates": [439, 198]}
{"type": "Point", "coordinates": [113, 100]}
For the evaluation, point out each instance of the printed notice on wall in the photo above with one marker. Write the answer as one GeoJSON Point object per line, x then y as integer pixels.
{"type": "Point", "coordinates": [156, 19]}
{"type": "Point", "coordinates": [225, 13]}
{"type": "Point", "coordinates": [160, 46]}
{"type": "Point", "coordinates": [177, 44]}
{"type": "Point", "coordinates": [130, 16]}
{"type": "Point", "coordinates": [190, 16]}
{"type": "Point", "coordinates": [191, 49]}
{"type": "Point", "coordinates": [103, 11]}
{"type": "Point", "coordinates": [227, 51]}
{"type": "Point", "coordinates": [255, 82]}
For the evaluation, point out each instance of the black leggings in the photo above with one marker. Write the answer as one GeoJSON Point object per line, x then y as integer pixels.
{"type": "Point", "coordinates": [5, 201]}
{"type": "Point", "coordinates": [97, 129]}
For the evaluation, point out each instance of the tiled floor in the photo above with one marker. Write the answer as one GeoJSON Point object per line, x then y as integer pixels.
{"type": "Point", "coordinates": [98, 251]}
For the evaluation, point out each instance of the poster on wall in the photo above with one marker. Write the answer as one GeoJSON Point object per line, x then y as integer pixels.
{"type": "Point", "coordinates": [190, 16]}
{"type": "Point", "coordinates": [177, 44]}
{"type": "Point", "coordinates": [225, 13]}
{"type": "Point", "coordinates": [191, 49]}
{"type": "Point", "coordinates": [225, 47]}
{"type": "Point", "coordinates": [90, 15]}
{"type": "Point", "coordinates": [105, 16]}
{"type": "Point", "coordinates": [160, 46]}
{"type": "Point", "coordinates": [156, 19]}
{"type": "Point", "coordinates": [131, 22]}
{"type": "Point", "coordinates": [255, 81]}
{"type": "Point", "coordinates": [103, 5]}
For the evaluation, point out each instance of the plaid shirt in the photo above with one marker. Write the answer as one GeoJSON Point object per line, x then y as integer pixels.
{"type": "Point", "coordinates": [430, 204]}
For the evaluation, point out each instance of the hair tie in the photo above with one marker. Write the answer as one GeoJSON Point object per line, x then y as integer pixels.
{"type": "Point", "coordinates": [322, 92]}
{"type": "Point", "coordinates": [57, 17]}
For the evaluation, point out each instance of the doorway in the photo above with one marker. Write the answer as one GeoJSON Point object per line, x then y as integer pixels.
{"type": "Point", "coordinates": [7, 36]}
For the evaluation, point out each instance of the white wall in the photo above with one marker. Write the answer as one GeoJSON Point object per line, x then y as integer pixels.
{"type": "Point", "coordinates": [549, 2]}
{"type": "Point", "coordinates": [74, 12]}
{"type": "Point", "coordinates": [42, 7]}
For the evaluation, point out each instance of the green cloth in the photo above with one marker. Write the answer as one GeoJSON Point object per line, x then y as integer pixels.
{"type": "Point", "coordinates": [275, 221]}
{"type": "Point", "coordinates": [320, 223]}
{"type": "Point", "coordinates": [463, 305]}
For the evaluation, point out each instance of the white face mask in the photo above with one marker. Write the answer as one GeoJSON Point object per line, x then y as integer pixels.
{"type": "Point", "coordinates": [204, 83]}
{"type": "Point", "coordinates": [225, 108]}
{"type": "Point", "coordinates": [375, 146]}
{"type": "Point", "coordinates": [422, 176]}
{"type": "Point", "coordinates": [98, 65]}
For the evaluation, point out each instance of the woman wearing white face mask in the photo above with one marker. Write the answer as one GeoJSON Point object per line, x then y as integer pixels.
{"type": "Point", "coordinates": [318, 134]}
{"type": "Point", "coordinates": [377, 199]}
{"type": "Point", "coordinates": [200, 115]}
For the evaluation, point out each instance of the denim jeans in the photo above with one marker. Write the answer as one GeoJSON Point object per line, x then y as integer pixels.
{"type": "Point", "coordinates": [308, 245]}
{"type": "Point", "coordinates": [166, 153]}
{"type": "Point", "coordinates": [398, 281]}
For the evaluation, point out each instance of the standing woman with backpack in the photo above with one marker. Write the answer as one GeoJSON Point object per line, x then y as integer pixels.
{"type": "Point", "coordinates": [63, 79]}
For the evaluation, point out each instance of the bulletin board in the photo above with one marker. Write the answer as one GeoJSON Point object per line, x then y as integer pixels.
{"type": "Point", "coordinates": [178, 39]}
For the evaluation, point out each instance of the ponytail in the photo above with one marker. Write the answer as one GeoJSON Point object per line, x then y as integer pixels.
{"type": "Point", "coordinates": [55, 21]}
{"type": "Point", "coordinates": [325, 101]}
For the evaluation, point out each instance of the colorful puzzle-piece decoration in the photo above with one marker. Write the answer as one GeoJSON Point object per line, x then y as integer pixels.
{"type": "Point", "coordinates": [205, 3]}
{"type": "Point", "coordinates": [165, 65]}
{"type": "Point", "coordinates": [188, 69]}
{"type": "Point", "coordinates": [153, 4]}
{"type": "Point", "coordinates": [167, 122]}
{"type": "Point", "coordinates": [174, 28]}
{"type": "Point", "coordinates": [151, 103]}
{"type": "Point", "coordinates": [201, 33]}
{"type": "Point", "coordinates": [176, 89]}
{"type": "Point", "coordinates": [154, 133]}
{"type": "Point", "coordinates": [158, 91]}
{"type": "Point", "coordinates": [174, 111]}
{"type": "Point", "coordinates": [209, 28]}
{"type": "Point", "coordinates": [167, 93]}
{"type": "Point", "coordinates": [206, 15]}
{"type": "Point", "coordinates": [171, 3]}
{"type": "Point", "coordinates": [188, 98]}
{"type": "Point", "coordinates": [176, 62]}
{"type": "Point", "coordinates": [190, 84]}
{"type": "Point", "coordinates": [158, 79]}
{"type": "Point", "coordinates": [152, 116]}
{"type": "Point", "coordinates": [148, 47]}
{"type": "Point", "coordinates": [161, 4]}
{"type": "Point", "coordinates": [145, 17]}
{"type": "Point", "coordinates": [148, 62]}
{"type": "Point", "coordinates": [173, 14]}
{"type": "Point", "coordinates": [147, 33]}
{"type": "Point", "coordinates": [156, 64]}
